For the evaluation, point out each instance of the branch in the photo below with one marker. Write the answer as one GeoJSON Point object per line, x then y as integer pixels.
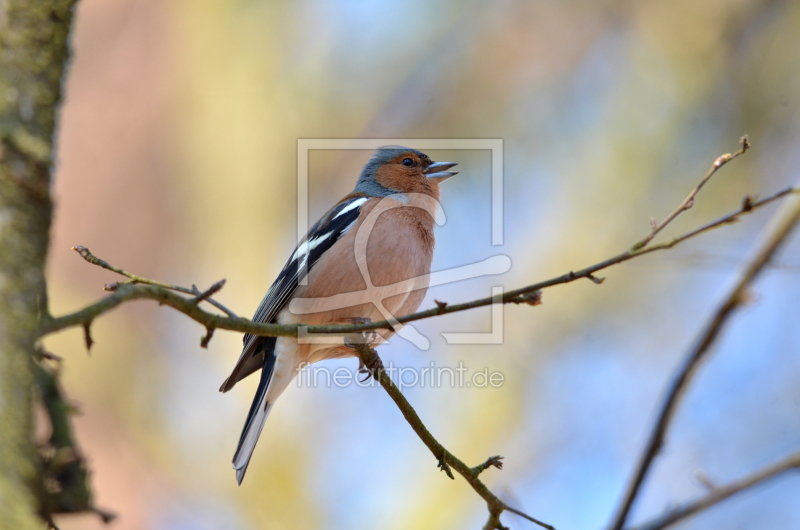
{"type": "Point", "coordinates": [721, 493]}
{"type": "Point", "coordinates": [529, 294]}
{"type": "Point", "coordinates": [773, 237]}
{"type": "Point", "coordinates": [447, 461]}
{"type": "Point", "coordinates": [143, 288]}
{"type": "Point", "coordinates": [201, 296]}
{"type": "Point", "coordinates": [129, 291]}
{"type": "Point", "coordinates": [63, 468]}
{"type": "Point", "coordinates": [688, 202]}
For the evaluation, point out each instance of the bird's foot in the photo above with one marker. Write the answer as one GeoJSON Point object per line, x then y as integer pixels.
{"type": "Point", "coordinates": [365, 337]}
{"type": "Point", "coordinates": [364, 372]}
{"type": "Point", "coordinates": [356, 340]}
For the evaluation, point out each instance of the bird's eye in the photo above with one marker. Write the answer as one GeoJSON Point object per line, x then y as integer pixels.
{"type": "Point", "coordinates": [408, 162]}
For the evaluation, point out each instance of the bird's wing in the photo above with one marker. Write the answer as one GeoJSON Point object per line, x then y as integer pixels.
{"type": "Point", "coordinates": [322, 236]}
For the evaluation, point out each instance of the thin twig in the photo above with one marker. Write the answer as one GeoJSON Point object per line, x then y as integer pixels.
{"type": "Point", "coordinates": [688, 202]}
{"type": "Point", "coordinates": [720, 493]}
{"type": "Point", "coordinates": [702, 478]}
{"type": "Point", "coordinates": [492, 461]}
{"type": "Point", "coordinates": [44, 354]}
{"type": "Point", "coordinates": [87, 335]}
{"type": "Point", "coordinates": [528, 517]}
{"type": "Point", "coordinates": [94, 260]}
{"type": "Point", "coordinates": [207, 338]}
{"type": "Point", "coordinates": [773, 237]}
{"type": "Point", "coordinates": [446, 460]}
{"type": "Point", "coordinates": [205, 295]}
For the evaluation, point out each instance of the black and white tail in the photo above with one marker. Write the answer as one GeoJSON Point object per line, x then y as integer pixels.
{"type": "Point", "coordinates": [259, 411]}
{"type": "Point", "coordinates": [280, 363]}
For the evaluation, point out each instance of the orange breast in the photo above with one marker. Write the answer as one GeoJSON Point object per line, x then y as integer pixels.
{"type": "Point", "coordinates": [384, 258]}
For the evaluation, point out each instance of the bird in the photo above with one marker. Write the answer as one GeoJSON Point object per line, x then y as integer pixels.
{"type": "Point", "coordinates": [378, 236]}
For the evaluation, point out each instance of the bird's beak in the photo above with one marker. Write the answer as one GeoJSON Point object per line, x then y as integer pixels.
{"type": "Point", "coordinates": [438, 171]}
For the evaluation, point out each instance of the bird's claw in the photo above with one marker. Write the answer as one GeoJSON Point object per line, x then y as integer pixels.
{"type": "Point", "coordinates": [363, 370]}
{"type": "Point", "coordinates": [368, 371]}
{"type": "Point", "coordinates": [365, 337]}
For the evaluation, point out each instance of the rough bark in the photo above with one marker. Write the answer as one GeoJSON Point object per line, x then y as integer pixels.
{"type": "Point", "coordinates": [33, 55]}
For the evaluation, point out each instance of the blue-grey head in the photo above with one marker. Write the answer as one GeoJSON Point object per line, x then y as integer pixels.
{"type": "Point", "coordinates": [396, 169]}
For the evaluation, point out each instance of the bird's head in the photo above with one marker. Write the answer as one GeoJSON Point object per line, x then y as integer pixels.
{"type": "Point", "coordinates": [397, 169]}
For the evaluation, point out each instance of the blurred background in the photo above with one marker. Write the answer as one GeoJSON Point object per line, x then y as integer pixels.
{"type": "Point", "coordinates": [178, 161]}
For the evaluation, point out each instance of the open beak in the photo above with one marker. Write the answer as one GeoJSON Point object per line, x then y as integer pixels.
{"type": "Point", "coordinates": [438, 171]}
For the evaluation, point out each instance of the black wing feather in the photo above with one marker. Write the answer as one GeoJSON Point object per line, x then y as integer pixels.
{"type": "Point", "coordinates": [321, 237]}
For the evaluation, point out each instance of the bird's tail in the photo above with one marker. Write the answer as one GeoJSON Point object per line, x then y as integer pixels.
{"type": "Point", "coordinates": [259, 411]}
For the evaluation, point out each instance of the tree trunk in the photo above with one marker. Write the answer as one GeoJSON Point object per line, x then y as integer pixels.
{"type": "Point", "coordinates": [33, 55]}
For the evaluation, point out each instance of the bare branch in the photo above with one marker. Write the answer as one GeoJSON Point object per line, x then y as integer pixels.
{"type": "Point", "coordinates": [529, 294]}
{"type": "Point", "coordinates": [492, 461]}
{"type": "Point", "coordinates": [719, 494]}
{"type": "Point", "coordinates": [207, 338]}
{"type": "Point", "coordinates": [446, 460]}
{"type": "Point", "coordinates": [87, 335]}
{"type": "Point", "coordinates": [702, 477]}
{"type": "Point", "coordinates": [154, 291]}
{"type": "Point", "coordinates": [773, 237]}
{"type": "Point", "coordinates": [688, 202]}
{"type": "Point", "coordinates": [208, 292]}
{"type": "Point", "coordinates": [517, 295]}
{"type": "Point", "coordinates": [128, 291]}
{"type": "Point", "coordinates": [94, 260]}
{"type": "Point", "coordinates": [64, 468]}
{"type": "Point", "coordinates": [529, 518]}
{"type": "Point", "coordinates": [44, 354]}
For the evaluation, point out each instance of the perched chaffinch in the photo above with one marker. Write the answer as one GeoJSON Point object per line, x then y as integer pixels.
{"type": "Point", "coordinates": [378, 237]}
